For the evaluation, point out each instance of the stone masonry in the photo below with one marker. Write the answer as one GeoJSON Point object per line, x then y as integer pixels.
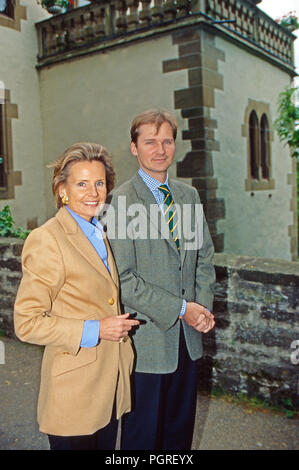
{"type": "Point", "coordinates": [198, 55]}
{"type": "Point", "coordinates": [10, 275]}
{"type": "Point", "coordinates": [254, 348]}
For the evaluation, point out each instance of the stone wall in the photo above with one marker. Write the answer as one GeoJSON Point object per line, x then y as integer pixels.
{"type": "Point", "coordinates": [257, 311]}
{"type": "Point", "coordinates": [10, 275]}
{"type": "Point", "coordinates": [251, 350]}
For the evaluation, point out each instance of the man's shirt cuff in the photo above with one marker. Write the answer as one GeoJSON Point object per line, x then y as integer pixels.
{"type": "Point", "coordinates": [183, 309]}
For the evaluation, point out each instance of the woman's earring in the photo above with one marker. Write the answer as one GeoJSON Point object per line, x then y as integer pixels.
{"type": "Point", "coordinates": [64, 199]}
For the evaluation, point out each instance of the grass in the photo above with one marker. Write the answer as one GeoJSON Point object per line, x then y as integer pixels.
{"type": "Point", "coordinates": [253, 404]}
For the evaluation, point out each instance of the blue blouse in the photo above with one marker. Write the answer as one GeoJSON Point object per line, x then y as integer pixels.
{"type": "Point", "coordinates": [93, 231]}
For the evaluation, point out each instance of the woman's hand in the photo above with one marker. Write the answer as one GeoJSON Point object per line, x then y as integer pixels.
{"type": "Point", "coordinates": [116, 328]}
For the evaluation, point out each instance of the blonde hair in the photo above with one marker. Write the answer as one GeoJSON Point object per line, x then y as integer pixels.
{"type": "Point", "coordinates": [82, 151]}
{"type": "Point", "coordinates": [153, 116]}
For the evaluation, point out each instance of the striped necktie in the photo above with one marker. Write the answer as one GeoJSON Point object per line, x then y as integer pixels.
{"type": "Point", "coordinates": [170, 214]}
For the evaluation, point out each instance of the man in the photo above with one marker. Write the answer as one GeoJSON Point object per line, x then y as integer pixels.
{"type": "Point", "coordinates": [168, 285]}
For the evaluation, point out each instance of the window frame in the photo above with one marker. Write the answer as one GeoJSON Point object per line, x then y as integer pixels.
{"type": "Point", "coordinates": [18, 13]}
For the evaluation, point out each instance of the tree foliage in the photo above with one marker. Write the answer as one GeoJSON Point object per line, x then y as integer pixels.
{"type": "Point", "coordinates": [287, 123]}
{"type": "Point", "coordinates": [287, 126]}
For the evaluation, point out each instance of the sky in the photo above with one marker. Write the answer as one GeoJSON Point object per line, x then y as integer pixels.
{"type": "Point", "coordinates": [278, 8]}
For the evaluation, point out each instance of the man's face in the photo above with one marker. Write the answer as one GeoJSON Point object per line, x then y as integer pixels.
{"type": "Point", "coordinates": [154, 150]}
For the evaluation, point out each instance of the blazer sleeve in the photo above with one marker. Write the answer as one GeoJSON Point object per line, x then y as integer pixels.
{"type": "Point", "coordinates": [205, 271]}
{"type": "Point", "coordinates": [35, 318]}
{"type": "Point", "coordinates": [140, 295]}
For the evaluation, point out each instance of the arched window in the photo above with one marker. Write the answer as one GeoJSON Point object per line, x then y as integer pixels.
{"type": "Point", "coordinates": [257, 131]}
{"type": "Point", "coordinates": [254, 145]}
{"type": "Point", "coordinates": [7, 8]}
{"type": "Point", "coordinates": [265, 147]}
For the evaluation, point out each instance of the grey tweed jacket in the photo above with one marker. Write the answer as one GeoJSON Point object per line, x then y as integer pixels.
{"type": "Point", "coordinates": [155, 276]}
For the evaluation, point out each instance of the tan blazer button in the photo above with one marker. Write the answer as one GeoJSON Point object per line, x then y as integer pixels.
{"type": "Point", "coordinates": [67, 353]}
{"type": "Point", "coordinates": [111, 301]}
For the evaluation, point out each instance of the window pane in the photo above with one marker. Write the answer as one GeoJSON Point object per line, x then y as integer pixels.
{"type": "Point", "coordinates": [3, 5]}
{"type": "Point", "coordinates": [6, 8]}
{"type": "Point", "coordinates": [253, 138]}
{"type": "Point", "coordinates": [265, 147]}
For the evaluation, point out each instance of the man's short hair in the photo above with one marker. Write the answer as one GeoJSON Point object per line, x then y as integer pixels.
{"type": "Point", "coordinates": [153, 116]}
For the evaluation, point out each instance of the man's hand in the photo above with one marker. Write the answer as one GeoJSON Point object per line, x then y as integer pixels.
{"type": "Point", "coordinates": [199, 317]}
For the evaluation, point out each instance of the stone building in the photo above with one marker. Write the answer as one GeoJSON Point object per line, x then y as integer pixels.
{"type": "Point", "coordinates": [218, 65]}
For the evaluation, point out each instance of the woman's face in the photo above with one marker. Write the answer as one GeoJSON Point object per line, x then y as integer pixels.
{"type": "Point", "coordinates": [85, 188]}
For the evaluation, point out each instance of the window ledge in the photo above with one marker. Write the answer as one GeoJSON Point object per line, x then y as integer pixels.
{"type": "Point", "coordinates": [257, 185]}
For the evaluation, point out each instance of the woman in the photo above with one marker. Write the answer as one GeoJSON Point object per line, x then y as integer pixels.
{"type": "Point", "coordinates": [68, 301]}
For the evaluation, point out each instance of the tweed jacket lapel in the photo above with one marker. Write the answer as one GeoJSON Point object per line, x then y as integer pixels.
{"type": "Point", "coordinates": [81, 243]}
{"type": "Point", "coordinates": [146, 196]}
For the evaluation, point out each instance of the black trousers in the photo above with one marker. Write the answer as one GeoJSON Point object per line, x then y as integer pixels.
{"type": "Point", "coordinates": [103, 439]}
{"type": "Point", "coordinates": [164, 408]}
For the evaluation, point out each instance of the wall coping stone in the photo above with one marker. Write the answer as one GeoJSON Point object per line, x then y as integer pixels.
{"type": "Point", "coordinates": [244, 263]}
{"type": "Point", "coordinates": [11, 241]}
{"type": "Point", "coordinates": [251, 264]}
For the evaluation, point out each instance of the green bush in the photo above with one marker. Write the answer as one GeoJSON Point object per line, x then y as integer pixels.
{"type": "Point", "coordinates": [8, 227]}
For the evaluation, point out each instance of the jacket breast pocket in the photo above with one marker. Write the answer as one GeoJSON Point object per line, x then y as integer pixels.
{"type": "Point", "coordinates": [64, 362]}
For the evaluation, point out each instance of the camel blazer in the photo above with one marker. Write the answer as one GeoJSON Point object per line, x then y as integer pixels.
{"type": "Point", "coordinates": [64, 283]}
{"type": "Point", "coordinates": [155, 276]}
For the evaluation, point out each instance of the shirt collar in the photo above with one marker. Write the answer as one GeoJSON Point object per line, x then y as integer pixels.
{"type": "Point", "coordinates": [87, 227]}
{"type": "Point", "coordinates": [151, 182]}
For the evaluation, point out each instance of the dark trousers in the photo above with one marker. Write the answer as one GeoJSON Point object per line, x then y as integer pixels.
{"type": "Point", "coordinates": [103, 439]}
{"type": "Point", "coordinates": [163, 408]}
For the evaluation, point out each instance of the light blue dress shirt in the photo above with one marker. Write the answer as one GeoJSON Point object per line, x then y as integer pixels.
{"type": "Point", "coordinates": [153, 186]}
{"type": "Point", "coordinates": [93, 231]}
